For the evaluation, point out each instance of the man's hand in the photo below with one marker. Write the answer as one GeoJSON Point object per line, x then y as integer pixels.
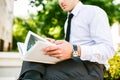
{"type": "Point", "coordinates": [50, 40]}
{"type": "Point", "coordinates": [62, 50]}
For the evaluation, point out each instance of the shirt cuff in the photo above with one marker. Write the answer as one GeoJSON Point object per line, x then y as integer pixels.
{"type": "Point", "coordinates": [85, 53]}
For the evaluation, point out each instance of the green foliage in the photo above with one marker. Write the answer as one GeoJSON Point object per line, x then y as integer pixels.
{"type": "Point", "coordinates": [21, 27]}
{"type": "Point", "coordinates": [53, 19]}
{"type": "Point", "coordinates": [113, 73]}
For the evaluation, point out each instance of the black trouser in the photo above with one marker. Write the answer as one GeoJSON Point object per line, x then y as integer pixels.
{"type": "Point", "coordinates": [65, 70]}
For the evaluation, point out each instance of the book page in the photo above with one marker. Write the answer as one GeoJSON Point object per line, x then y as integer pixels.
{"type": "Point", "coordinates": [32, 38]}
{"type": "Point", "coordinates": [21, 48]}
{"type": "Point", "coordinates": [35, 54]}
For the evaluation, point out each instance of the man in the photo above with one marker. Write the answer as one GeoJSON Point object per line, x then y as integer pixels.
{"type": "Point", "coordinates": [85, 52]}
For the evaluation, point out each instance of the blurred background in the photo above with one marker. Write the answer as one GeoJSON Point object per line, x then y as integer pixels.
{"type": "Point", "coordinates": [45, 18]}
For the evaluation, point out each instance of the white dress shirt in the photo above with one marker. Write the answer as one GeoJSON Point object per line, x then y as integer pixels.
{"type": "Point", "coordinates": [91, 31]}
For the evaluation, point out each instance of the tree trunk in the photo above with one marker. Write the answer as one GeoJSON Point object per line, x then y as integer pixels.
{"type": "Point", "coordinates": [6, 20]}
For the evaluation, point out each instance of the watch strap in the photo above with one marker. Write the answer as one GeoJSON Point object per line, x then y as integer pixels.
{"type": "Point", "coordinates": [75, 47]}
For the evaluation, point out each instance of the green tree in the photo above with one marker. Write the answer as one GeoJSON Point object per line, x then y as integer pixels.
{"type": "Point", "coordinates": [21, 27]}
{"type": "Point", "coordinates": [52, 16]}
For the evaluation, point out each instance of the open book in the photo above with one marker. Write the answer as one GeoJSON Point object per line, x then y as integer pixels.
{"type": "Point", "coordinates": [31, 49]}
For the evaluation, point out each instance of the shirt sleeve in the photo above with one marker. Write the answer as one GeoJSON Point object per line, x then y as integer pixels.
{"type": "Point", "coordinates": [100, 33]}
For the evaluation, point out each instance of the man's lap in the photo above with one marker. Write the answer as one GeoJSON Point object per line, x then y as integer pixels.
{"type": "Point", "coordinates": [67, 70]}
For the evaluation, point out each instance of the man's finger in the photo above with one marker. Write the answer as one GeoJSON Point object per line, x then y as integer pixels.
{"type": "Point", "coordinates": [59, 41]}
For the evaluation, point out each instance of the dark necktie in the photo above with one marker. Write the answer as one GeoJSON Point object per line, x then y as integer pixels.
{"type": "Point", "coordinates": [68, 27]}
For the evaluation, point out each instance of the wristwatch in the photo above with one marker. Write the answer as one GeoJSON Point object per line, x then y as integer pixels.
{"type": "Point", "coordinates": [75, 51]}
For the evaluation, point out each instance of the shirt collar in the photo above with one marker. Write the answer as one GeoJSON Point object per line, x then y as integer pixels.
{"type": "Point", "coordinates": [77, 8]}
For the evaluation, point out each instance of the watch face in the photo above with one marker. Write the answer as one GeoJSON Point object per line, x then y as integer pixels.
{"type": "Point", "coordinates": [75, 54]}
